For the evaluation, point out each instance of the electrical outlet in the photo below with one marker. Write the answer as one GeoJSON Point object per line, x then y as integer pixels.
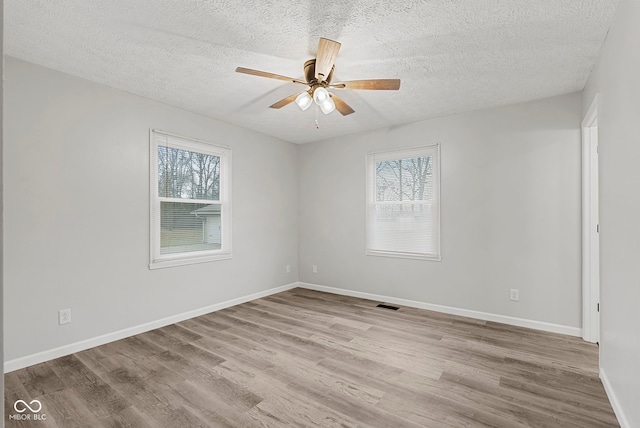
{"type": "Point", "coordinates": [64, 316]}
{"type": "Point", "coordinates": [288, 268]}
{"type": "Point", "coordinates": [514, 294]}
{"type": "Point", "coordinates": [314, 268]}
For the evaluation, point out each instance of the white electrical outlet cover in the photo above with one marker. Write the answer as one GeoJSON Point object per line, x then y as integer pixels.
{"type": "Point", "coordinates": [64, 316]}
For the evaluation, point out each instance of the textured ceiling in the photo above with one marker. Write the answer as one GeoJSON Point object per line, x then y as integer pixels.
{"type": "Point", "coordinates": [451, 55]}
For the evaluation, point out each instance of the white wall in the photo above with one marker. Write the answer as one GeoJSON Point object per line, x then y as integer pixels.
{"type": "Point", "coordinates": [510, 213]}
{"type": "Point", "coordinates": [76, 198]}
{"type": "Point", "coordinates": [617, 79]}
{"type": "Point", "coordinates": [1, 207]}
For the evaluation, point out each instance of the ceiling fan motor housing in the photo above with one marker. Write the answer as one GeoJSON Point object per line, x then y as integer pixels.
{"type": "Point", "coordinates": [310, 75]}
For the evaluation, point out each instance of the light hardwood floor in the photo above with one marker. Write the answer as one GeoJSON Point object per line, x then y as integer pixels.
{"type": "Point", "coordinates": [306, 358]}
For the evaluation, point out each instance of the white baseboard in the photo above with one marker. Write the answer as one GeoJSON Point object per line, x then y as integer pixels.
{"type": "Point", "coordinates": [40, 357]}
{"type": "Point", "coordinates": [504, 319]}
{"type": "Point", "coordinates": [613, 399]}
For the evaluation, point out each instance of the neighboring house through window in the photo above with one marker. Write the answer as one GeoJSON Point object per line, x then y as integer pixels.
{"type": "Point", "coordinates": [190, 201]}
{"type": "Point", "coordinates": [403, 203]}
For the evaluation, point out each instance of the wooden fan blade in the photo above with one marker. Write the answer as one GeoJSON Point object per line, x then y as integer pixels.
{"type": "Point", "coordinates": [372, 84]}
{"type": "Point", "coordinates": [344, 108]}
{"type": "Point", "coordinates": [285, 101]}
{"type": "Point", "coordinates": [269, 75]}
{"type": "Point", "coordinates": [326, 57]}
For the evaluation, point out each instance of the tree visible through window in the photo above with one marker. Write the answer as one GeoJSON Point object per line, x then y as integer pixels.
{"type": "Point", "coordinates": [403, 205]}
{"type": "Point", "coordinates": [187, 174]}
{"type": "Point", "coordinates": [189, 209]}
{"type": "Point", "coordinates": [405, 179]}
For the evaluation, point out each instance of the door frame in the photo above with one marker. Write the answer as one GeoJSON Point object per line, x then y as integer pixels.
{"type": "Point", "coordinates": [590, 226]}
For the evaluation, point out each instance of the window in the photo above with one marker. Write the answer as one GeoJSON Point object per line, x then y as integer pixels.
{"type": "Point", "coordinates": [190, 201]}
{"type": "Point", "coordinates": [403, 209]}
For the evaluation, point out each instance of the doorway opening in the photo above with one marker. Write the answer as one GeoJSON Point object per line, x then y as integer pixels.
{"type": "Point", "coordinates": [590, 227]}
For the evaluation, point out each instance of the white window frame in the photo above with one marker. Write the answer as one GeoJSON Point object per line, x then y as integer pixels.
{"type": "Point", "coordinates": [371, 159]}
{"type": "Point", "coordinates": [158, 260]}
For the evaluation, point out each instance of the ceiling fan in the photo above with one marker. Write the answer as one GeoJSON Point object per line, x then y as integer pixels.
{"type": "Point", "coordinates": [318, 73]}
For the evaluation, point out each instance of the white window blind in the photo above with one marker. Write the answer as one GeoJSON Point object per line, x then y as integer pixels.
{"type": "Point", "coordinates": [403, 203]}
{"type": "Point", "coordinates": [190, 201]}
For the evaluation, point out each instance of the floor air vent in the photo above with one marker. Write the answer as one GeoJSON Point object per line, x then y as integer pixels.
{"type": "Point", "coordinates": [393, 308]}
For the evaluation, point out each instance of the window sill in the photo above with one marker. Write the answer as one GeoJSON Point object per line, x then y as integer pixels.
{"type": "Point", "coordinates": [165, 263]}
{"type": "Point", "coordinates": [399, 255]}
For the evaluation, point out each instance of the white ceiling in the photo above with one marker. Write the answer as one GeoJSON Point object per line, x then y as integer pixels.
{"type": "Point", "coordinates": [451, 55]}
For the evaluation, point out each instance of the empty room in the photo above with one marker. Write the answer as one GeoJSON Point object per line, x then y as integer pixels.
{"type": "Point", "coordinates": [297, 213]}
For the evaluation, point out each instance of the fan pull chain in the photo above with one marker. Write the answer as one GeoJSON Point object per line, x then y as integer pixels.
{"type": "Point", "coordinates": [316, 112]}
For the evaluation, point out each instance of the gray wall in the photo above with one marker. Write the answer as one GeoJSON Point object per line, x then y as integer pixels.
{"type": "Point", "coordinates": [510, 213]}
{"type": "Point", "coordinates": [617, 79]}
{"type": "Point", "coordinates": [76, 172]}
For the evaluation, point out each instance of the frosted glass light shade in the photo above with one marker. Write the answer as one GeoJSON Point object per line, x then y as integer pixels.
{"type": "Point", "coordinates": [320, 95]}
{"type": "Point", "coordinates": [328, 106]}
{"type": "Point", "coordinates": [304, 101]}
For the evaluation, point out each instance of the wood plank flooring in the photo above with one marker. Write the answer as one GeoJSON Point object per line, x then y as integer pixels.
{"type": "Point", "coordinates": [305, 358]}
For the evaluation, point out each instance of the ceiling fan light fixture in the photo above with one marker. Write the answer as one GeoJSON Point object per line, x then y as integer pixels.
{"type": "Point", "coordinates": [318, 74]}
{"type": "Point", "coordinates": [328, 106]}
{"type": "Point", "coordinates": [304, 101]}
